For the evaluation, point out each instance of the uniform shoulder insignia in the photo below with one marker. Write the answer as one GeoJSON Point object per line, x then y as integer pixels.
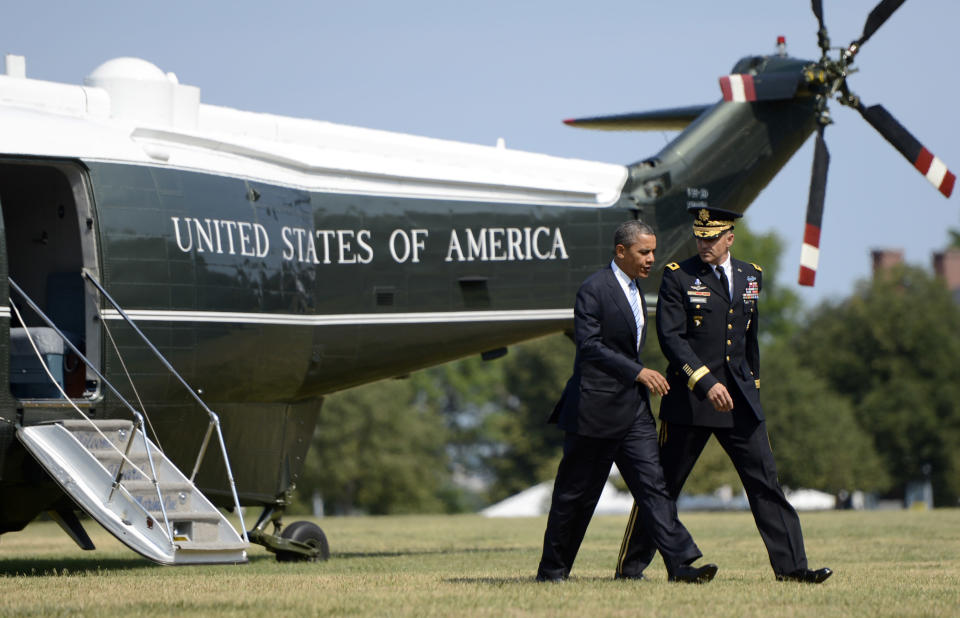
{"type": "Point", "coordinates": [757, 266]}
{"type": "Point", "coordinates": [673, 266]}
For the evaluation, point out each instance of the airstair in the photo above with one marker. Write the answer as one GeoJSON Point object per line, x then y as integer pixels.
{"type": "Point", "coordinates": [118, 476]}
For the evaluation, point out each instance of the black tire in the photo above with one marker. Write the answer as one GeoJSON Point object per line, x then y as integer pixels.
{"type": "Point", "coordinates": [308, 533]}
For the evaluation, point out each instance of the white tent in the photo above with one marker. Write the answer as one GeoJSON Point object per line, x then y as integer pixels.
{"type": "Point", "coordinates": [536, 501]}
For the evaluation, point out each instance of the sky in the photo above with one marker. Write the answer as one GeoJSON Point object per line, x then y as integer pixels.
{"type": "Point", "coordinates": [514, 69]}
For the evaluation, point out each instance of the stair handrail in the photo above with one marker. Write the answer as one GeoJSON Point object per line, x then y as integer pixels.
{"type": "Point", "coordinates": [138, 418]}
{"type": "Point", "coordinates": [138, 424]}
{"type": "Point", "coordinates": [214, 419]}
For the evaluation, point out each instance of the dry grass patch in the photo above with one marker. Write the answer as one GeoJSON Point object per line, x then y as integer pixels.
{"type": "Point", "coordinates": [887, 563]}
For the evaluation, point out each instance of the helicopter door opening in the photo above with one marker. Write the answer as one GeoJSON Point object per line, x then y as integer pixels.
{"type": "Point", "coordinates": [49, 240]}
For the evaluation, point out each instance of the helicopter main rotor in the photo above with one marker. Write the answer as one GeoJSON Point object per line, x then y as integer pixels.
{"type": "Point", "coordinates": [826, 79]}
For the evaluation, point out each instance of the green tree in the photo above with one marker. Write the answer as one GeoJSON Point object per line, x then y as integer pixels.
{"type": "Point", "coordinates": [892, 349]}
{"type": "Point", "coordinates": [375, 450]}
{"type": "Point", "coordinates": [813, 430]}
{"type": "Point", "coordinates": [464, 393]}
{"type": "Point", "coordinates": [780, 307]}
{"type": "Point", "coordinates": [522, 449]}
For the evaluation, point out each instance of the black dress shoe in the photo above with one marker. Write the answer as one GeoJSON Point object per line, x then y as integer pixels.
{"type": "Point", "coordinates": [553, 579]}
{"type": "Point", "coordinates": [693, 575]}
{"type": "Point", "coordinates": [637, 577]}
{"type": "Point", "coordinates": [806, 576]}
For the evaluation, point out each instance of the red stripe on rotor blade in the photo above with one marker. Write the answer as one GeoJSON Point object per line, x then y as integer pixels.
{"type": "Point", "coordinates": [946, 187]}
{"type": "Point", "coordinates": [811, 235]}
{"type": "Point", "coordinates": [749, 90]}
{"type": "Point", "coordinates": [924, 159]}
{"type": "Point", "coordinates": [807, 275]}
{"type": "Point", "coordinates": [725, 87]}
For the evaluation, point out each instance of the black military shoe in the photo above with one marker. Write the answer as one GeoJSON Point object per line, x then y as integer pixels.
{"type": "Point", "coordinates": [637, 577]}
{"type": "Point", "coordinates": [553, 579]}
{"type": "Point", "coordinates": [806, 576]}
{"type": "Point", "coordinates": [694, 575]}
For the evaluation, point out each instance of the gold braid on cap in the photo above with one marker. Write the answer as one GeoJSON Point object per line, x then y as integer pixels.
{"type": "Point", "coordinates": [704, 227]}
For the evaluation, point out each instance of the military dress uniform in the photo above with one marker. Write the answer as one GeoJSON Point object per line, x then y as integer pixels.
{"type": "Point", "coordinates": [710, 336]}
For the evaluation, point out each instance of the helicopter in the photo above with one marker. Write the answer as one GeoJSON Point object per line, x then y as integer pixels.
{"type": "Point", "coordinates": [188, 281]}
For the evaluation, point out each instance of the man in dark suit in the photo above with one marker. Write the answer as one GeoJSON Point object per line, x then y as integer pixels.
{"type": "Point", "coordinates": [605, 412]}
{"type": "Point", "coordinates": [707, 319]}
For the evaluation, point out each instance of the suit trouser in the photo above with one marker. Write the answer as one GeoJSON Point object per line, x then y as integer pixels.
{"type": "Point", "coordinates": [581, 476]}
{"type": "Point", "coordinates": [748, 447]}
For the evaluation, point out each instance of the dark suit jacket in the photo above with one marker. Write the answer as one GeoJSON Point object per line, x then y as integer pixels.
{"type": "Point", "coordinates": [708, 339]}
{"type": "Point", "coordinates": [602, 397]}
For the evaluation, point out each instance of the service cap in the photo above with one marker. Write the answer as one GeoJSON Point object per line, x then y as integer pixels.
{"type": "Point", "coordinates": [711, 222]}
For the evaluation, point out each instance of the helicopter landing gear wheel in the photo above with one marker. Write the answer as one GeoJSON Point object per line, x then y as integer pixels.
{"type": "Point", "coordinates": [309, 534]}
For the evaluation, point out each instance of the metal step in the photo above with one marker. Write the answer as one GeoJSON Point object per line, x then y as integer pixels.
{"type": "Point", "coordinates": [83, 462]}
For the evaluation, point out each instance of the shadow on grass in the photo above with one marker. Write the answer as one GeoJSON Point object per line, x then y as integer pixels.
{"type": "Point", "coordinates": [531, 579]}
{"type": "Point", "coordinates": [52, 567]}
{"type": "Point", "coordinates": [426, 552]}
{"type": "Point", "coordinates": [46, 567]}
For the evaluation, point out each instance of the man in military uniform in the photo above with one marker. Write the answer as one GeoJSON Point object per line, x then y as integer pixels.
{"type": "Point", "coordinates": [707, 325]}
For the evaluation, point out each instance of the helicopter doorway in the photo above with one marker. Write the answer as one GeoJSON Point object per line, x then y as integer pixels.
{"type": "Point", "coordinates": [48, 229]}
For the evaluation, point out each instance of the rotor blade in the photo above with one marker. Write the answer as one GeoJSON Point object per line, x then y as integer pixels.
{"type": "Point", "coordinates": [822, 40]}
{"type": "Point", "coordinates": [818, 10]}
{"type": "Point", "coordinates": [675, 119]}
{"type": "Point", "coordinates": [810, 252]}
{"type": "Point", "coordinates": [877, 17]}
{"type": "Point", "coordinates": [742, 87]}
{"type": "Point", "coordinates": [926, 163]}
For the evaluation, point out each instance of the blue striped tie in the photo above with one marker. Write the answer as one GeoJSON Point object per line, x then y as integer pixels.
{"type": "Point", "coordinates": [635, 307]}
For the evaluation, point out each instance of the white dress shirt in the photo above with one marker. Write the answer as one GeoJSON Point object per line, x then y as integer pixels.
{"type": "Point", "coordinates": [624, 280]}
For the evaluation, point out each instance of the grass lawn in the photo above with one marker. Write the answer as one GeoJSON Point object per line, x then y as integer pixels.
{"type": "Point", "coordinates": [891, 563]}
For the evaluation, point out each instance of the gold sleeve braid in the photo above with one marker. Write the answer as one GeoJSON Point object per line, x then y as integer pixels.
{"type": "Point", "coordinates": [696, 375]}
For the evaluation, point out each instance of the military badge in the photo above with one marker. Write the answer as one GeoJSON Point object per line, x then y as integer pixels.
{"type": "Point", "coordinates": [697, 320]}
{"type": "Point", "coordinates": [697, 298]}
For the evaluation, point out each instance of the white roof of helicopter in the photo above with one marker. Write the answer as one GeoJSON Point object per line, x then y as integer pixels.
{"type": "Point", "coordinates": [129, 111]}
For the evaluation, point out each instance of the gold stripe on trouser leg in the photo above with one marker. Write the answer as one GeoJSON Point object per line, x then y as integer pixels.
{"type": "Point", "coordinates": [626, 537]}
